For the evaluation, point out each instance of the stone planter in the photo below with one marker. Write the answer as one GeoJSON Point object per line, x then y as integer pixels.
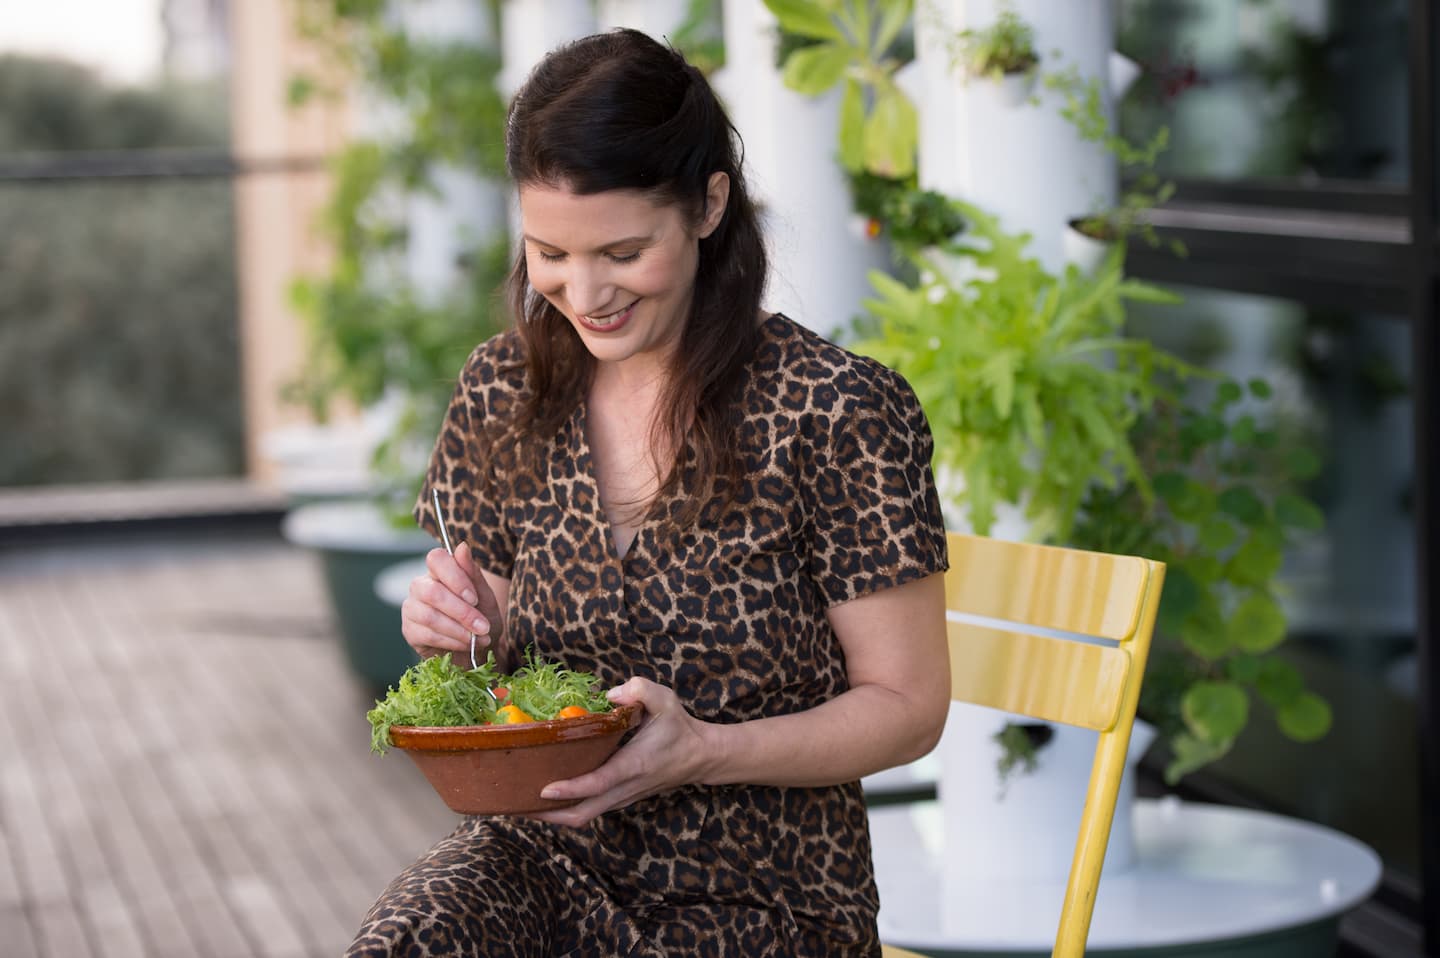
{"type": "Point", "coordinates": [354, 542]}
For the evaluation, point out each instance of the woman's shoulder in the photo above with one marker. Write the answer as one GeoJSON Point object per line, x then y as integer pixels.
{"type": "Point", "coordinates": [797, 362]}
{"type": "Point", "coordinates": [497, 364]}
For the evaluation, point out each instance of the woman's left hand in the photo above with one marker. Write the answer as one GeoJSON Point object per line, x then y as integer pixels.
{"type": "Point", "coordinates": [668, 750]}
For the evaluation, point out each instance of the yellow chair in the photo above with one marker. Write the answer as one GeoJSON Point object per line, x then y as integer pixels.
{"type": "Point", "coordinates": [1095, 686]}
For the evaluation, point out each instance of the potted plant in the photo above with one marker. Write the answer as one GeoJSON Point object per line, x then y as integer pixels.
{"type": "Point", "coordinates": [1004, 52]}
{"type": "Point", "coordinates": [375, 338]}
{"type": "Point", "coordinates": [855, 44]}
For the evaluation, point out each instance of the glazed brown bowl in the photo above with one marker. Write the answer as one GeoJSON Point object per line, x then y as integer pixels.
{"type": "Point", "coordinates": [500, 769]}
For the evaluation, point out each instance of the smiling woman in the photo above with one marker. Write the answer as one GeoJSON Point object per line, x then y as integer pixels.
{"type": "Point", "coordinates": [728, 520]}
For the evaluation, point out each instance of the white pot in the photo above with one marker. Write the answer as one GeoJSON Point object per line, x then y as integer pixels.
{"type": "Point", "coordinates": [1027, 830]}
{"type": "Point", "coordinates": [1015, 88]}
{"type": "Point", "coordinates": [1086, 252]}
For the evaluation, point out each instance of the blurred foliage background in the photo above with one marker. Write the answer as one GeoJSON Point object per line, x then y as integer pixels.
{"type": "Point", "coordinates": [119, 357]}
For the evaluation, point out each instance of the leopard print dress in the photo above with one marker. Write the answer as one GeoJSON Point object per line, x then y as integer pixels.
{"type": "Point", "coordinates": [730, 613]}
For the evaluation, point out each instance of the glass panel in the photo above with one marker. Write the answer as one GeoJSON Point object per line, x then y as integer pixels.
{"type": "Point", "coordinates": [1271, 88]}
{"type": "Point", "coordinates": [1349, 591]}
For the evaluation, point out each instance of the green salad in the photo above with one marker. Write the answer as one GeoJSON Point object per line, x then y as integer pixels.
{"type": "Point", "coordinates": [437, 692]}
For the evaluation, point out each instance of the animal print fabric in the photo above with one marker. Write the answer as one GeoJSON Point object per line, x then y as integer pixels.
{"type": "Point", "coordinates": [729, 612]}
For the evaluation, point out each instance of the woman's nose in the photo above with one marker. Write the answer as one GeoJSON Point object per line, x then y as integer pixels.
{"type": "Point", "coordinates": [589, 290]}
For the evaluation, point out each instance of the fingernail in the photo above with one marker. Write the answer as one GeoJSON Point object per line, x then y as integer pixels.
{"type": "Point", "coordinates": [549, 794]}
{"type": "Point", "coordinates": [614, 692]}
{"type": "Point", "coordinates": [479, 625]}
{"type": "Point", "coordinates": [469, 596]}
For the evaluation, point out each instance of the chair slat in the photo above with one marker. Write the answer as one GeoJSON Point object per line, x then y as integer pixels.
{"type": "Point", "coordinates": [1056, 680]}
{"type": "Point", "coordinates": [1068, 590]}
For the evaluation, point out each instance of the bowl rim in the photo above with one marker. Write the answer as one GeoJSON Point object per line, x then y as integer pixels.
{"type": "Point", "coordinates": [464, 738]}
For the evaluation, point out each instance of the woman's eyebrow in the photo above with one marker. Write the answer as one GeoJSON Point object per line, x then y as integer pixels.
{"type": "Point", "coordinates": [627, 241]}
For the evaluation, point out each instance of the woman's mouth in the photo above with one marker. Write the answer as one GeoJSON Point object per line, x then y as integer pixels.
{"type": "Point", "coordinates": [609, 322]}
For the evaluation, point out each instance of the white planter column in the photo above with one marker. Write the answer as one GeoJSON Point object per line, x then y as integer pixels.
{"type": "Point", "coordinates": [1025, 163]}
{"type": "Point", "coordinates": [529, 29]}
{"type": "Point", "coordinates": [659, 18]}
{"type": "Point", "coordinates": [465, 208]}
{"type": "Point", "coordinates": [819, 254]}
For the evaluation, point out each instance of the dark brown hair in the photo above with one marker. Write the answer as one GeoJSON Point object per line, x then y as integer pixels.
{"type": "Point", "coordinates": [620, 111]}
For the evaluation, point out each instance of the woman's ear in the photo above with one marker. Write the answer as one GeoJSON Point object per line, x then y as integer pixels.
{"type": "Point", "coordinates": [717, 195]}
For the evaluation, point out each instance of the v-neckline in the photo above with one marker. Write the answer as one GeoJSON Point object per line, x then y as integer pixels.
{"type": "Point", "coordinates": [586, 468]}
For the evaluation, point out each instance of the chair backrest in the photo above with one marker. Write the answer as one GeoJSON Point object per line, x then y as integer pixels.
{"type": "Point", "coordinates": [1001, 590]}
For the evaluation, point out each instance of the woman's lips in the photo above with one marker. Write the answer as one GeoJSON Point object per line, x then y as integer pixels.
{"type": "Point", "coordinates": [609, 322]}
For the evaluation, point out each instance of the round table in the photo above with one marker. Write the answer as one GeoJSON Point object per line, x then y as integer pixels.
{"type": "Point", "coordinates": [1209, 880]}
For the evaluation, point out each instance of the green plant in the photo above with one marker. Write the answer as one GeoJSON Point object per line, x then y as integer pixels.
{"type": "Point", "coordinates": [1227, 502]}
{"type": "Point", "coordinates": [1005, 47]}
{"type": "Point", "coordinates": [1029, 383]}
{"type": "Point", "coordinates": [855, 45]}
{"type": "Point", "coordinates": [1143, 190]}
{"type": "Point", "coordinates": [912, 218]}
{"type": "Point", "coordinates": [371, 334]}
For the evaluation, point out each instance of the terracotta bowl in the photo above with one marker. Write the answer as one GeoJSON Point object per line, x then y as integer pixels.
{"type": "Point", "coordinates": [500, 769]}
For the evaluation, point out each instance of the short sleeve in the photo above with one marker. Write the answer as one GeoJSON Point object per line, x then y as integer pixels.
{"type": "Point", "coordinates": [463, 467]}
{"type": "Point", "coordinates": [874, 509]}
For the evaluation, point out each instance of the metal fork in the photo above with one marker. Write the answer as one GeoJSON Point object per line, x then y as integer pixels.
{"type": "Point", "coordinates": [445, 535]}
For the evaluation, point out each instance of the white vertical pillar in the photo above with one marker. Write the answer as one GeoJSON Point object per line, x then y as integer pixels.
{"type": "Point", "coordinates": [464, 208]}
{"type": "Point", "coordinates": [529, 29]}
{"type": "Point", "coordinates": [819, 253]}
{"type": "Point", "coordinates": [659, 18]}
{"type": "Point", "coordinates": [1025, 163]}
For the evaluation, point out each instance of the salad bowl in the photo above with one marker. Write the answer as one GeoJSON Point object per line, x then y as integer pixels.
{"type": "Point", "coordinates": [500, 769]}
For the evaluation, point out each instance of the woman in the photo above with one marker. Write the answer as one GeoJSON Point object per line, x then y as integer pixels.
{"type": "Point", "coordinates": [724, 516]}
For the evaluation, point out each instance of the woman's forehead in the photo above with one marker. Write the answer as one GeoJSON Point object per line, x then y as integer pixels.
{"type": "Point", "coordinates": [615, 213]}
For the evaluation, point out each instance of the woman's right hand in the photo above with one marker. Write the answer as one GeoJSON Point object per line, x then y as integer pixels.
{"type": "Point", "coordinates": [449, 602]}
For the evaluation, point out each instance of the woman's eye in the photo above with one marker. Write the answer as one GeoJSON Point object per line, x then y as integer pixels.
{"type": "Point", "coordinates": [626, 258]}
{"type": "Point", "coordinates": [550, 257]}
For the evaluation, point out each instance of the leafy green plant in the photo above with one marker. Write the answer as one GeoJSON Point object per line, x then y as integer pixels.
{"type": "Point", "coordinates": [1227, 502]}
{"type": "Point", "coordinates": [912, 218]}
{"type": "Point", "coordinates": [1029, 383]}
{"type": "Point", "coordinates": [371, 334]}
{"type": "Point", "coordinates": [1143, 190]}
{"type": "Point", "coordinates": [855, 42]}
{"type": "Point", "coordinates": [1006, 47]}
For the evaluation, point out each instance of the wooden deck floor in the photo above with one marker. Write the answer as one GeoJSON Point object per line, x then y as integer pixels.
{"type": "Point", "coordinates": [184, 764]}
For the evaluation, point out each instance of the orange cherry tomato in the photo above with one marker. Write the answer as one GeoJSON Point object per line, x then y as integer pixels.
{"type": "Point", "coordinates": [512, 715]}
{"type": "Point", "coordinates": [572, 711]}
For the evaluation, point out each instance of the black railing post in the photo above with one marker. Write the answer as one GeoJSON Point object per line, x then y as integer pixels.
{"type": "Point", "coordinates": [1426, 307]}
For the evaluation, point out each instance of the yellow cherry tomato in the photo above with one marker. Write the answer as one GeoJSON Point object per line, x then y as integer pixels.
{"type": "Point", "coordinates": [572, 711]}
{"type": "Point", "coordinates": [512, 715]}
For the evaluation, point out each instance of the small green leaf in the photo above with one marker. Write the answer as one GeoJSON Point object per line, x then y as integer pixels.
{"type": "Point", "coordinates": [1244, 667]}
{"type": "Point", "coordinates": [1302, 464]}
{"type": "Point", "coordinates": [1189, 753]}
{"type": "Point", "coordinates": [1206, 636]}
{"type": "Point", "coordinates": [852, 127]}
{"type": "Point", "coordinates": [1258, 625]}
{"type": "Point", "coordinates": [892, 21]}
{"type": "Point", "coordinates": [1215, 711]}
{"type": "Point", "coordinates": [1178, 600]}
{"type": "Point", "coordinates": [1228, 392]}
{"type": "Point", "coordinates": [1257, 561]}
{"type": "Point", "coordinates": [1169, 486]}
{"type": "Point", "coordinates": [1242, 503]}
{"type": "Point", "coordinates": [1305, 718]}
{"type": "Point", "coordinates": [891, 135]}
{"type": "Point", "coordinates": [813, 70]}
{"type": "Point", "coordinates": [1298, 512]}
{"type": "Point", "coordinates": [1278, 683]}
{"type": "Point", "coordinates": [806, 18]}
{"type": "Point", "coordinates": [1260, 389]}
{"type": "Point", "coordinates": [1216, 534]}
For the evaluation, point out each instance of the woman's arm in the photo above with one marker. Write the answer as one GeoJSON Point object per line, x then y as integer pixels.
{"type": "Point", "coordinates": [897, 662]}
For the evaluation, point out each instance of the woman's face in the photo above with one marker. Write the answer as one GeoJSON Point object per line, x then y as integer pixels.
{"type": "Point", "coordinates": [618, 266]}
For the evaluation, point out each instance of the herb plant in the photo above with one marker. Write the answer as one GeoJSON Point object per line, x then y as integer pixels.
{"type": "Point", "coordinates": [856, 45]}
{"type": "Point", "coordinates": [1030, 385]}
{"type": "Point", "coordinates": [1005, 47]}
